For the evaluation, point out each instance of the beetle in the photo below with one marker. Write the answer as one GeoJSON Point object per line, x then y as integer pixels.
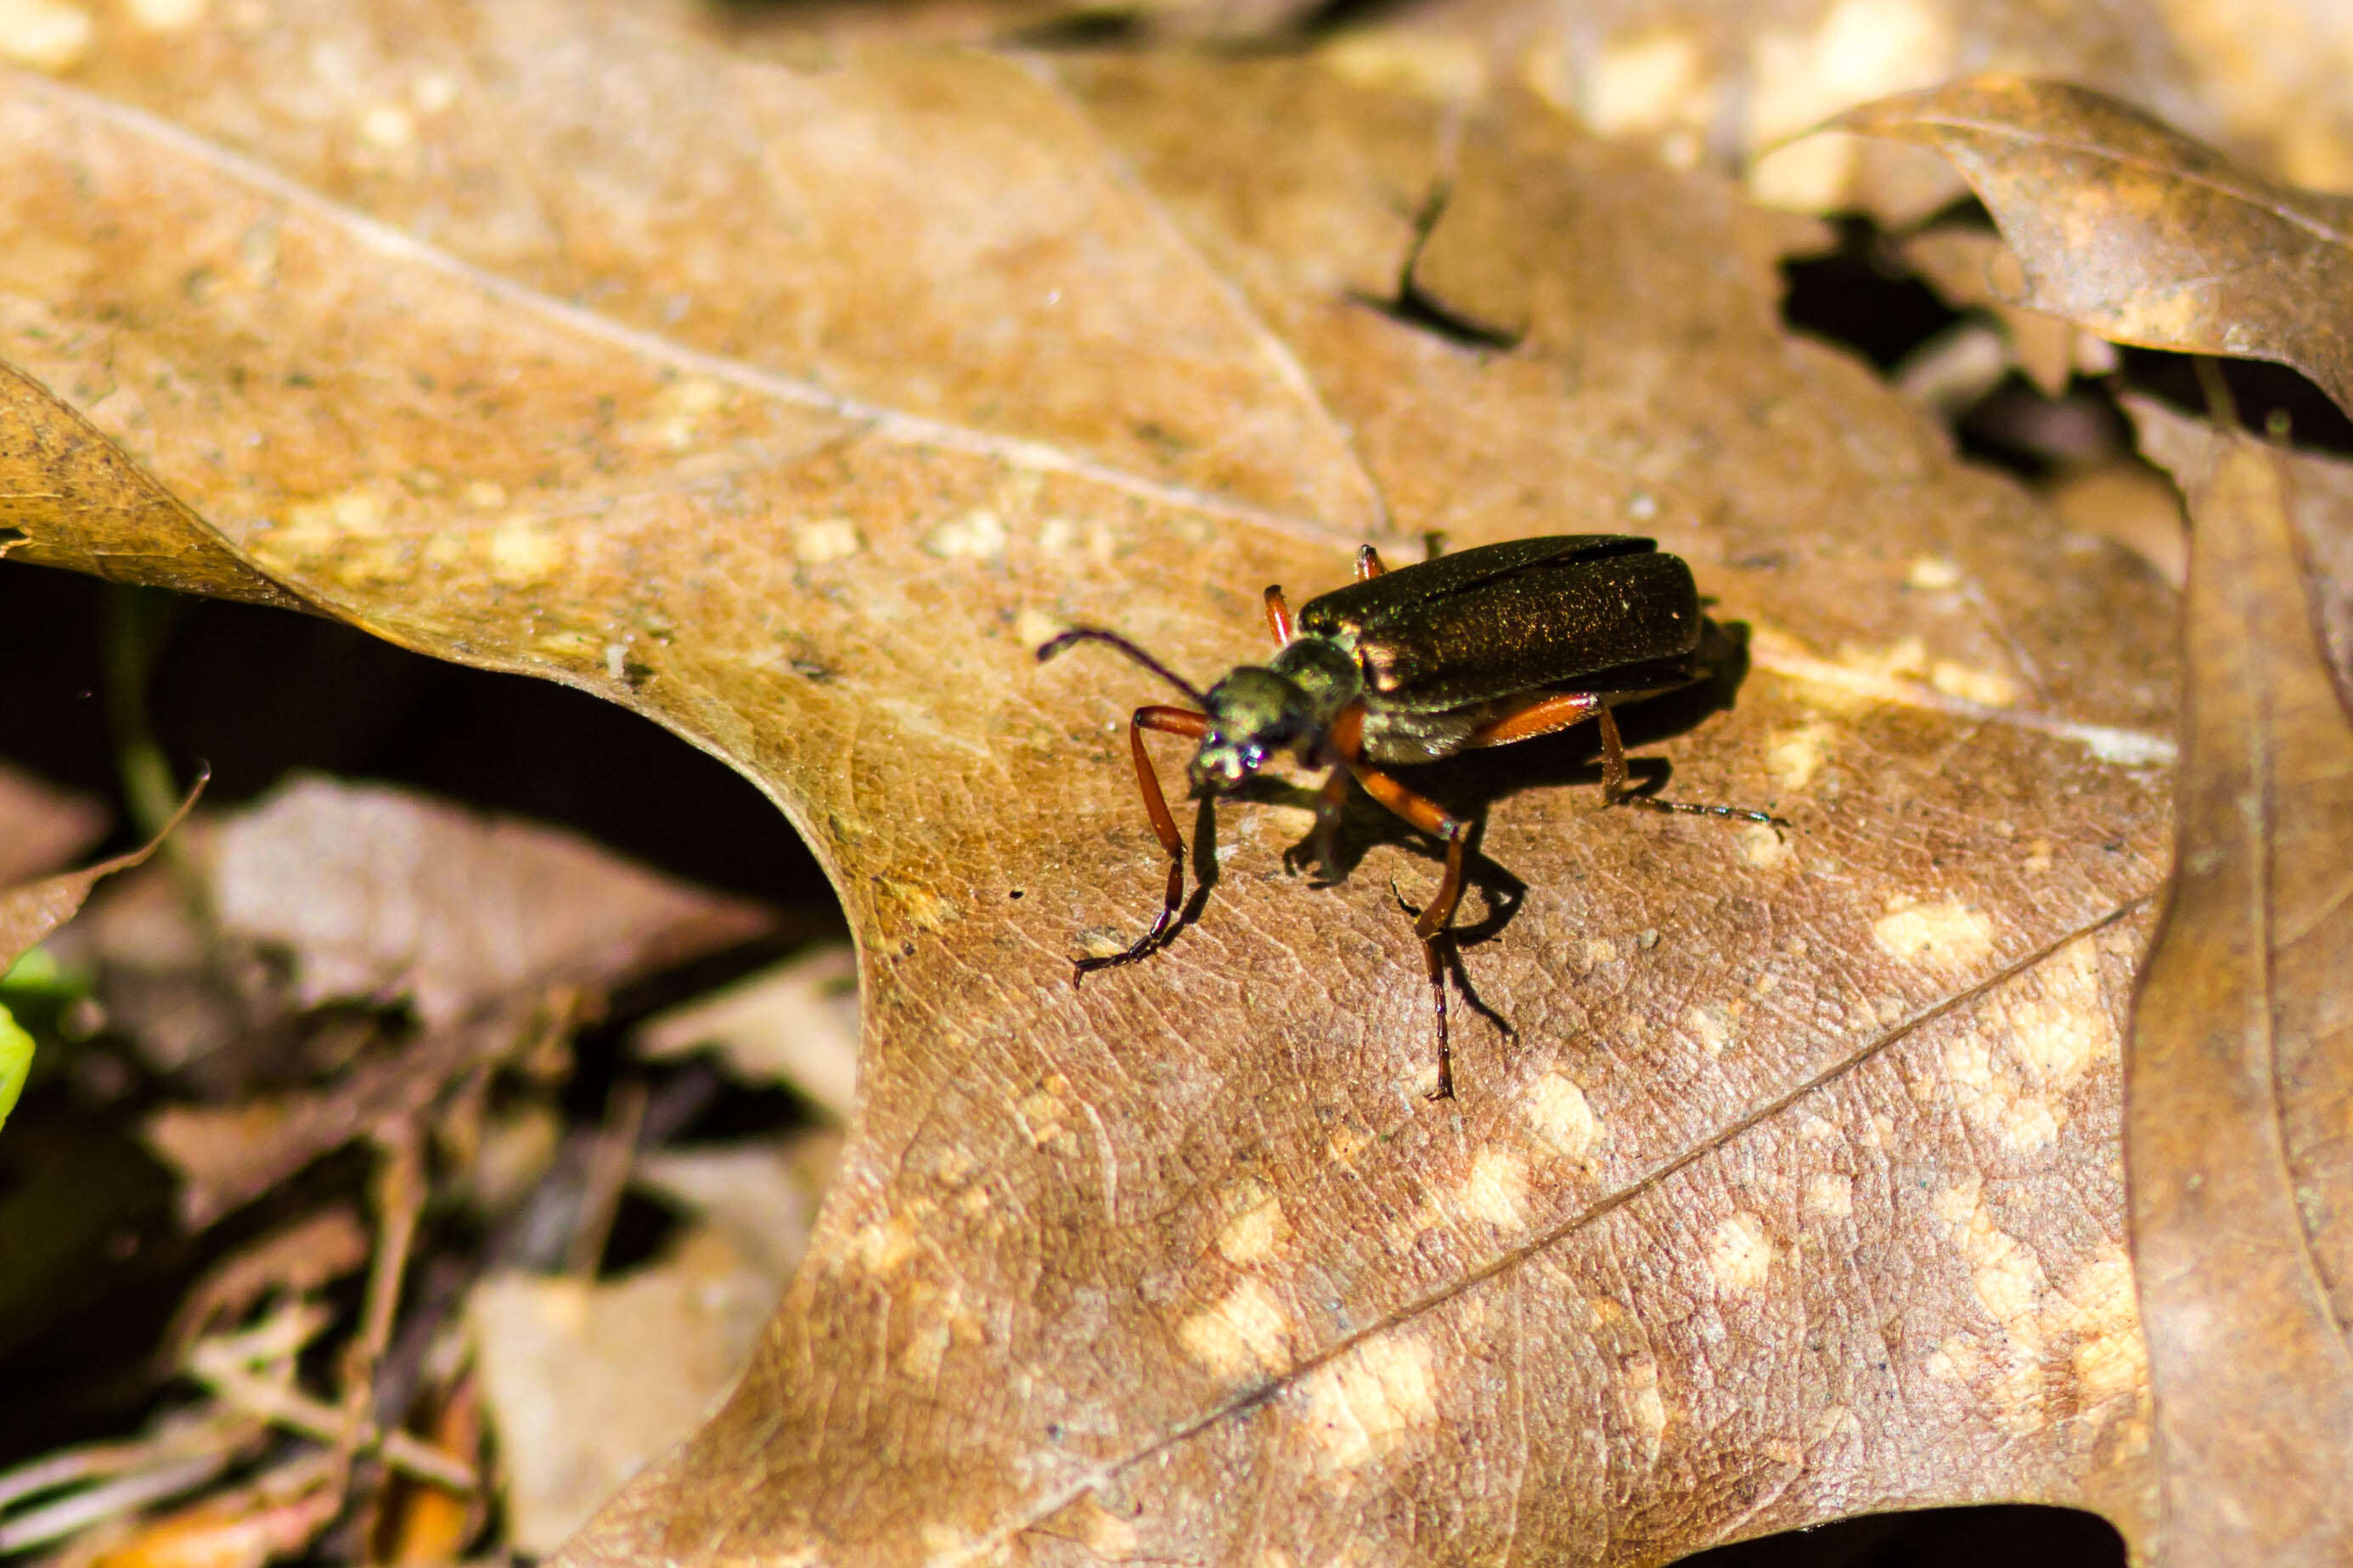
{"type": "Point", "coordinates": [1481, 647]}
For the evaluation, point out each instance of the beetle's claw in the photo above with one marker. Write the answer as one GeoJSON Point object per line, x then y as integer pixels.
{"type": "Point", "coordinates": [1395, 892]}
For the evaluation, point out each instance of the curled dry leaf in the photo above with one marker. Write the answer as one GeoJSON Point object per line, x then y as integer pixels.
{"type": "Point", "coordinates": [2130, 229]}
{"type": "Point", "coordinates": [1793, 1193]}
{"type": "Point", "coordinates": [2241, 1062]}
{"type": "Point", "coordinates": [2319, 496]}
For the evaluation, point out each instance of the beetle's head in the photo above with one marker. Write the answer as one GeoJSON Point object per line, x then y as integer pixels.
{"type": "Point", "coordinates": [1253, 714]}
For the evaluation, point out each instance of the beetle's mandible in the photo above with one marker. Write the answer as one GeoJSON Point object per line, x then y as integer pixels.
{"type": "Point", "coordinates": [1482, 647]}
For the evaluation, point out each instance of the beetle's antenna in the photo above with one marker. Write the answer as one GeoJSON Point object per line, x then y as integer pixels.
{"type": "Point", "coordinates": [1076, 635]}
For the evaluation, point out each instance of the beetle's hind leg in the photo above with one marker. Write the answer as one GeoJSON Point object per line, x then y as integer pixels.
{"type": "Point", "coordinates": [1614, 790]}
{"type": "Point", "coordinates": [1168, 722]}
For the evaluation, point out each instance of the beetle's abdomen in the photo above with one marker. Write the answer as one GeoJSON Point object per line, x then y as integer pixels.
{"type": "Point", "coordinates": [1531, 628]}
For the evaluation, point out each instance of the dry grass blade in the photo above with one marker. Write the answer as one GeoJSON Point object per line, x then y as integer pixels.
{"type": "Point", "coordinates": [32, 911]}
{"type": "Point", "coordinates": [2240, 1069]}
{"type": "Point", "coordinates": [2133, 231]}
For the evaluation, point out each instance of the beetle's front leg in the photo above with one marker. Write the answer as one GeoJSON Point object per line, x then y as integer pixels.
{"type": "Point", "coordinates": [1344, 743]}
{"type": "Point", "coordinates": [1435, 922]}
{"type": "Point", "coordinates": [1322, 842]}
{"type": "Point", "coordinates": [1168, 722]}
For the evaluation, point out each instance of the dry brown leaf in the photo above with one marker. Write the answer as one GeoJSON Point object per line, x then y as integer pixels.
{"type": "Point", "coordinates": [2319, 500]}
{"type": "Point", "coordinates": [2133, 230]}
{"type": "Point", "coordinates": [587, 1381]}
{"type": "Point", "coordinates": [1973, 269]}
{"type": "Point", "coordinates": [792, 408]}
{"type": "Point", "coordinates": [378, 895]}
{"type": "Point", "coordinates": [793, 1024]}
{"type": "Point", "coordinates": [29, 912]}
{"type": "Point", "coordinates": [329, 893]}
{"type": "Point", "coordinates": [1725, 84]}
{"type": "Point", "coordinates": [2130, 502]}
{"type": "Point", "coordinates": [374, 895]}
{"type": "Point", "coordinates": [2241, 1065]}
{"type": "Point", "coordinates": [385, 894]}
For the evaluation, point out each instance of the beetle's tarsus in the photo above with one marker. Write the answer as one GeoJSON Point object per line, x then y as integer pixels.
{"type": "Point", "coordinates": [1435, 962]}
{"type": "Point", "coordinates": [1690, 808]}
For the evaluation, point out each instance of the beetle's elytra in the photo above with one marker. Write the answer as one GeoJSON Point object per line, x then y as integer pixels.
{"type": "Point", "coordinates": [1481, 647]}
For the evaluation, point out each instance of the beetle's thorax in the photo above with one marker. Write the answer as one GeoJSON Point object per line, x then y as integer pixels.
{"type": "Point", "coordinates": [1259, 710]}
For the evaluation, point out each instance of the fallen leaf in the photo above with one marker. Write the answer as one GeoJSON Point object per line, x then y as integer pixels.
{"type": "Point", "coordinates": [1712, 83]}
{"type": "Point", "coordinates": [2319, 497]}
{"type": "Point", "coordinates": [795, 414]}
{"type": "Point", "coordinates": [379, 895]}
{"type": "Point", "coordinates": [492, 927]}
{"type": "Point", "coordinates": [795, 1024]}
{"type": "Point", "coordinates": [585, 1383]}
{"type": "Point", "coordinates": [2130, 229]}
{"type": "Point", "coordinates": [761, 1196]}
{"type": "Point", "coordinates": [2131, 503]}
{"type": "Point", "coordinates": [1972, 269]}
{"type": "Point", "coordinates": [2239, 1059]}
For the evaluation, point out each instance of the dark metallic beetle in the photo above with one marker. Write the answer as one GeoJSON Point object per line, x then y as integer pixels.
{"type": "Point", "coordinates": [1479, 648]}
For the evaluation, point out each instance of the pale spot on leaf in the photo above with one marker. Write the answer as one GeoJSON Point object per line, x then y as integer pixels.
{"type": "Point", "coordinates": [1498, 1188]}
{"type": "Point", "coordinates": [1948, 935]}
{"type": "Point", "coordinates": [167, 16]}
{"type": "Point", "coordinates": [1990, 688]}
{"type": "Point", "coordinates": [518, 555]}
{"type": "Point", "coordinates": [388, 126]}
{"type": "Point", "coordinates": [1933, 574]}
{"type": "Point", "coordinates": [1740, 1252]}
{"type": "Point", "coordinates": [978, 535]}
{"type": "Point", "coordinates": [1764, 846]}
{"type": "Point", "coordinates": [1240, 1336]}
{"type": "Point", "coordinates": [1830, 1195]}
{"type": "Point", "coordinates": [1563, 1117]}
{"type": "Point", "coordinates": [1361, 1404]}
{"type": "Point", "coordinates": [1257, 1227]}
{"type": "Point", "coordinates": [826, 538]}
{"type": "Point", "coordinates": [47, 34]}
{"type": "Point", "coordinates": [1795, 758]}
{"type": "Point", "coordinates": [1644, 83]}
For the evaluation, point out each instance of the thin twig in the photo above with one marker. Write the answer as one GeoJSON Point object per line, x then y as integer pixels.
{"type": "Point", "coordinates": [609, 1163]}
{"type": "Point", "coordinates": [281, 1404]}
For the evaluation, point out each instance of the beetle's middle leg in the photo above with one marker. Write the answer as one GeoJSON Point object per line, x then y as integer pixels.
{"type": "Point", "coordinates": [1168, 722]}
{"type": "Point", "coordinates": [1433, 924]}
